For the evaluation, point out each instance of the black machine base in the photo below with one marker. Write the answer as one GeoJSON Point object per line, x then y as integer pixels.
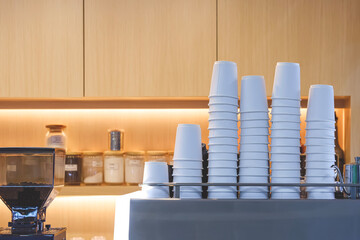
{"type": "Point", "coordinates": [51, 234]}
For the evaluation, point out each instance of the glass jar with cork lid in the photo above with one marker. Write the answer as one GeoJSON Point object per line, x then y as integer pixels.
{"type": "Point", "coordinates": [93, 168]}
{"type": "Point", "coordinates": [55, 136]}
{"type": "Point", "coordinates": [114, 167]}
{"type": "Point", "coordinates": [134, 167]}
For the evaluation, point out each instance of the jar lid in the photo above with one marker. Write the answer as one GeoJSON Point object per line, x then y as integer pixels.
{"type": "Point", "coordinates": [135, 153]}
{"type": "Point", "coordinates": [116, 130]}
{"type": "Point", "coordinates": [156, 153]}
{"type": "Point", "coordinates": [113, 153]}
{"type": "Point", "coordinates": [90, 153]}
{"type": "Point", "coordinates": [55, 126]}
{"type": "Point", "coordinates": [73, 153]}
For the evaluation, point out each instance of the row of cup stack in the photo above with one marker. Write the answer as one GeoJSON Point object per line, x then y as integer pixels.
{"type": "Point", "coordinates": [223, 130]}
{"type": "Point", "coordinates": [254, 138]}
{"type": "Point", "coordinates": [320, 147]}
{"type": "Point", "coordinates": [285, 131]}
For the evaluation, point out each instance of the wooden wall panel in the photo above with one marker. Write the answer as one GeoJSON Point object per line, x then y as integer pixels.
{"type": "Point", "coordinates": [41, 48]}
{"type": "Point", "coordinates": [149, 47]}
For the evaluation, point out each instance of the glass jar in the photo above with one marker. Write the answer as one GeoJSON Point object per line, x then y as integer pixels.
{"type": "Point", "coordinates": [55, 136]}
{"type": "Point", "coordinates": [73, 166]}
{"type": "Point", "coordinates": [134, 167]}
{"type": "Point", "coordinates": [93, 168]}
{"type": "Point", "coordinates": [114, 167]}
{"type": "Point", "coordinates": [156, 156]}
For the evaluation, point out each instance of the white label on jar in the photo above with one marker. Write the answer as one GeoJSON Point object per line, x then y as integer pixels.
{"type": "Point", "coordinates": [11, 168]}
{"type": "Point", "coordinates": [97, 164]}
{"type": "Point", "coordinates": [112, 166]}
{"type": "Point", "coordinates": [134, 162]}
{"type": "Point", "coordinates": [71, 167]}
{"type": "Point", "coordinates": [56, 141]}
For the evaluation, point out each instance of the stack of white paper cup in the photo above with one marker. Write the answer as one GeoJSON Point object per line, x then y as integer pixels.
{"type": "Point", "coordinates": [320, 135]}
{"type": "Point", "coordinates": [254, 152]}
{"type": "Point", "coordinates": [155, 172]}
{"type": "Point", "coordinates": [285, 130]}
{"type": "Point", "coordinates": [188, 159]}
{"type": "Point", "coordinates": [223, 130]}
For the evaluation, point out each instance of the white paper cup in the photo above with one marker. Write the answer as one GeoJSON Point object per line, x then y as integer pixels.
{"type": "Point", "coordinates": [253, 195]}
{"type": "Point", "coordinates": [285, 133]}
{"type": "Point", "coordinates": [253, 94]}
{"type": "Point", "coordinates": [253, 179]}
{"type": "Point", "coordinates": [285, 110]}
{"type": "Point", "coordinates": [223, 156]}
{"type": "Point", "coordinates": [230, 141]}
{"type": "Point", "coordinates": [320, 189]}
{"type": "Point", "coordinates": [224, 79]}
{"type": "Point", "coordinates": [223, 107]}
{"type": "Point", "coordinates": [222, 179]}
{"type": "Point", "coordinates": [320, 125]}
{"type": "Point", "coordinates": [316, 195]}
{"type": "Point", "coordinates": [319, 141]}
{"type": "Point", "coordinates": [223, 148]}
{"type": "Point", "coordinates": [188, 142]}
{"type": "Point", "coordinates": [190, 189]}
{"type": "Point", "coordinates": [320, 149]}
{"type": "Point", "coordinates": [187, 171]}
{"type": "Point", "coordinates": [254, 139]}
{"type": "Point", "coordinates": [285, 195]}
{"type": "Point", "coordinates": [222, 171]}
{"type": "Point", "coordinates": [294, 142]}
{"type": "Point", "coordinates": [320, 157]}
{"type": "Point", "coordinates": [256, 189]}
{"type": "Point", "coordinates": [285, 165]}
{"type": "Point", "coordinates": [285, 179]}
{"type": "Point", "coordinates": [319, 133]}
{"type": "Point", "coordinates": [254, 148]}
{"type": "Point", "coordinates": [254, 155]}
{"type": "Point", "coordinates": [284, 157]}
{"type": "Point", "coordinates": [223, 133]}
{"type": "Point", "coordinates": [285, 172]}
{"type": "Point", "coordinates": [321, 103]}
{"type": "Point", "coordinates": [222, 189]}
{"type": "Point", "coordinates": [155, 191]}
{"type": "Point", "coordinates": [254, 131]}
{"type": "Point", "coordinates": [285, 189]}
{"type": "Point", "coordinates": [188, 164]}
{"type": "Point", "coordinates": [285, 118]}
{"type": "Point", "coordinates": [219, 163]}
{"type": "Point", "coordinates": [318, 172]}
{"type": "Point", "coordinates": [253, 171]}
{"type": "Point", "coordinates": [224, 100]}
{"type": "Point", "coordinates": [320, 179]}
{"type": "Point", "coordinates": [285, 125]}
{"type": "Point", "coordinates": [285, 102]}
{"type": "Point", "coordinates": [284, 149]}
{"type": "Point", "coordinates": [186, 179]}
{"type": "Point", "coordinates": [222, 195]}
{"type": "Point", "coordinates": [321, 165]}
{"type": "Point", "coordinates": [190, 195]}
{"type": "Point", "coordinates": [156, 172]}
{"type": "Point", "coordinates": [287, 81]}
{"type": "Point", "coordinates": [254, 123]}
{"type": "Point", "coordinates": [254, 163]}
{"type": "Point", "coordinates": [223, 115]}
{"type": "Point", "coordinates": [254, 116]}
{"type": "Point", "coordinates": [227, 124]}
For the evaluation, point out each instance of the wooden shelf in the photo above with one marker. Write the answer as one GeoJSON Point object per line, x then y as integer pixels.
{"type": "Point", "coordinates": [97, 190]}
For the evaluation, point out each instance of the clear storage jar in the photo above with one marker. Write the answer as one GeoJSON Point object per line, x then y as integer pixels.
{"type": "Point", "coordinates": [156, 156]}
{"type": "Point", "coordinates": [114, 167]}
{"type": "Point", "coordinates": [93, 168]}
{"type": "Point", "coordinates": [73, 166]}
{"type": "Point", "coordinates": [55, 136]}
{"type": "Point", "coordinates": [134, 167]}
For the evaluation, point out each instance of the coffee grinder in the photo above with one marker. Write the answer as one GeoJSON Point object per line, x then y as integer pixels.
{"type": "Point", "coordinates": [30, 179]}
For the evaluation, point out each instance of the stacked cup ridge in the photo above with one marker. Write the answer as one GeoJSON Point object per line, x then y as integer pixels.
{"type": "Point", "coordinates": [285, 131]}
{"type": "Point", "coordinates": [188, 159]}
{"type": "Point", "coordinates": [254, 138]}
{"type": "Point", "coordinates": [223, 130]}
{"type": "Point", "coordinates": [320, 147]}
{"type": "Point", "coordinates": [155, 172]}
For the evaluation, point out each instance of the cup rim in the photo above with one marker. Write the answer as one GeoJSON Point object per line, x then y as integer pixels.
{"type": "Point", "coordinates": [320, 120]}
{"type": "Point", "coordinates": [285, 98]}
{"type": "Point", "coordinates": [220, 128]}
{"type": "Point", "coordinates": [221, 175]}
{"type": "Point", "coordinates": [187, 159]}
{"type": "Point", "coordinates": [254, 175]}
{"type": "Point", "coordinates": [254, 111]}
{"type": "Point", "coordinates": [219, 95]}
{"type": "Point", "coordinates": [227, 104]}
{"type": "Point", "coordinates": [187, 168]}
{"type": "Point", "coordinates": [271, 106]}
{"type": "Point", "coordinates": [222, 144]}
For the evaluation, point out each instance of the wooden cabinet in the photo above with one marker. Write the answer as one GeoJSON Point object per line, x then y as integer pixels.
{"type": "Point", "coordinates": [149, 47]}
{"type": "Point", "coordinates": [41, 48]}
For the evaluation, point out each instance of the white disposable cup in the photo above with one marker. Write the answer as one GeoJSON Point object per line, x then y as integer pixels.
{"type": "Point", "coordinates": [224, 79]}
{"type": "Point", "coordinates": [190, 189]}
{"type": "Point", "coordinates": [321, 103]}
{"type": "Point", "coordinates": [320, 149]}
{"type": "Point", "coordinates": [285, 110]}
{"type": "Point", "coordinates": [320, 189]}
{"type": "Point", "coordinates": [254, 139]}
{"type": "Point", "coordinates": [253, 179]}
{"type": "Point", "coordinates": [253, 94]}
{"type": "Point", "coordinates": [155, 191]}
{"type": "Point", "coordinates": [287, 81]}
{"type": "Point", "coordinates": [224, 100]}
{"type": "Point", "coordinates": [223, 115]}
{"type": "Point", "coordinates": [285, 179]}
{"type": "Point", "coordinates": [187, 171]}
{"type": "Point", "coordinates": [230, 141]}
{"type": "Point", "coordinates": [186, 179]}
{"type": "Point", "coordinates": [285, 133]}
{"type": "Point", "coordinates": [254, 131]}
{"type": "Point", "coordinates": [190, 195]}
{"type": "Point", "coordinates": [156, 172]}
{"type": "Point", "coordinates": [222, 195]}
{"type": "Point", "coordinates": [284, 157]}
{"type": "Point", "coordinates": [188, 142]}
{"type": "Point", "coordinates": [253, 195]}
{"type": "Point", "coordinates": [285, 172]}
{"type": "Point", "coordinates": [223, 107]}
{"type": "Point", "coordinates": [222, 171]}
{"type": "Point", "coordinates": [223, 156]}
{"type": "Point", "coordinates": [222, 179]}
{"type": "Point", "coordinates": [254, 116]}
{"type": "Point", "coordinates": [319, 172]}
{"type": "Point", "coordinates": [285, 165]}
{"type": "Point", "coordinates": [319, 141]}
{"type": "Point", "coordinates": [188, 164]}
{"type": "Point", "coordinates": [316, 165]}
{"type": "Point", "coordinates": [285, 189]}
{"type": "Point", "coordinates": [285, 125]}
{"type": "Point", "coordinates": [320, 157]}
{"type": "Point", "coordinates": [285, 118]}
{"type": "Point", "coordinates": [223, 133]}
{"type": "Point", "coordinates": [254, 163]}
{"type": "Point", "coordinates": [254, 155]}
{"type": "Point", "coordinates": [253, 171]}
{"type": "Point", "coordinates": [254, 123]}
{"type": "Point", "coordinates": [285, 195]}
{"type": "Point", "coordinates": [254, 147]}
{"type": "Point", "coordinates": [316, 195]}
{"type": "Point", "coordinates": [285, 102]}
{"type": "Point", "coordinates": [320, 133]}
{"type": "Point", "coordinates": [223, 148]}
{"type": "Point", "coordinates": [219, 163]}
{"type": "Point", "coordinates": [222, 189]}
{"type": "Point", "coordinates": [262, 189]}
{"type": "Point", "coordinates": [295, 142]}
{"type": "Point", "coordinates": [285, 149]}
{"type": "Point", "coordinates": [320, 179]}
{"type": "Point", "coordinates": [227, 124]}
{"type": "Point", "coordinates": [320, 125]}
